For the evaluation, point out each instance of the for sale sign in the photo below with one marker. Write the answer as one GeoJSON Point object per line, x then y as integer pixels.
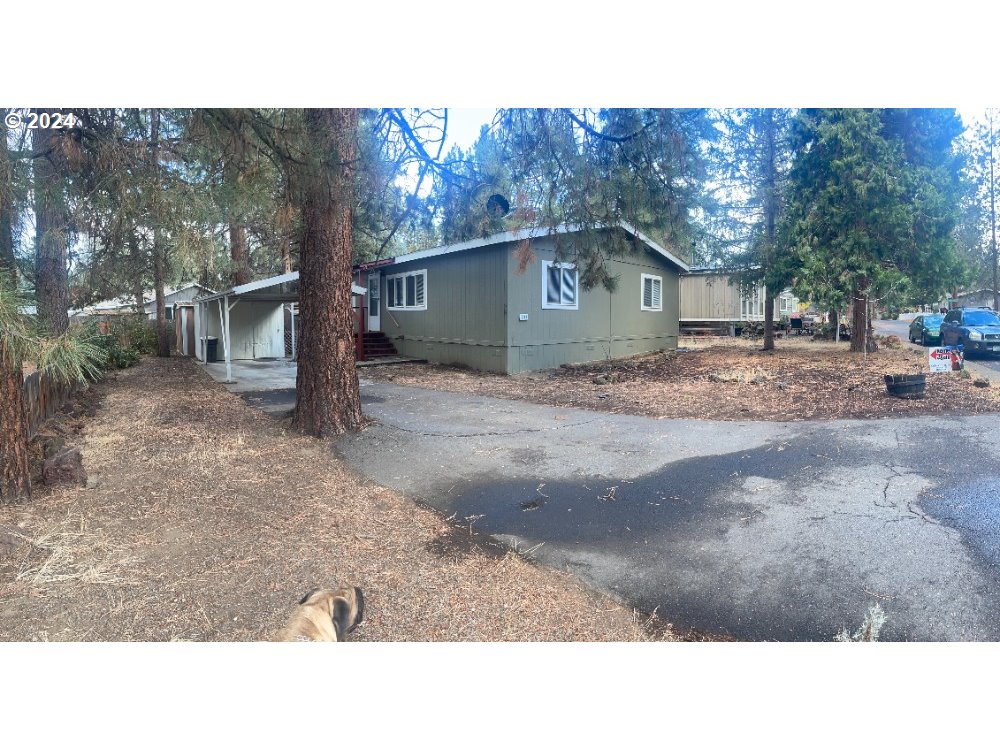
{"type": "Point", "coordinates": [945, 359]}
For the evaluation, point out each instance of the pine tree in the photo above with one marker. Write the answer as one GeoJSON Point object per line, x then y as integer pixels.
{"type": "Point", "coordinates": [328, 400]}
{"type": "Point", "coordinates": [979, 226]}
{"type": "Point", "coordinates": [875, 207]}
{"type": "Point", "coordinates": [50, 148]}
{"type": "Point", "coordinates": [15, 475]}
{"type": "Point", "coordinates": [753, 159]}
{"type": "Point", "coordinates": [588, 168]}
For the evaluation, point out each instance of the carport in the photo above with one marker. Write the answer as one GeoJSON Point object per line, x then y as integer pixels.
{"type": "Point", "coordinates": [249, 319]}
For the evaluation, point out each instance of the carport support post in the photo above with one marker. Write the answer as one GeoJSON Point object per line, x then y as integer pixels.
{"type": "Point", "coordinates": [229, 359]}
{"type": "Point", "coordinates": [203, 310]}
{"type": "Point", "coordinates": [224, 319]}
{"type": "Point", "coordinates": [292, 316]}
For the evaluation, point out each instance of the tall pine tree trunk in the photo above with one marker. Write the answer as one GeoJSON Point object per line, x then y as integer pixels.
{"type": "Point", "coordinates": [238, 253]}
{"type": "Point", "coordinates": [286, 255]}
{"type": "Point", "coordinates": [328, 399]}
{"type": "Point", "coordinates": [770, 220]}
{"type": "Point", "coordinates": [768, 319]}
{"type": "Point", "coordinates": [51, 272]}
{"type": "Point", "coordinates": [15, 469]}
{"type": "Point", "coordinates": [233, 176]}
{"type": "Point", "coordinates": [993, 217]}
{"type": "Point", "coordinates": [6, 202]}
{"type": "Point", "coordinates": [862, 335]}
{"type": "Point", "coordinates": [138, 263]}
{"type": "Point", "coordinates": [159, 254]}
{"type": "Point", "coordinates": [285, 223]}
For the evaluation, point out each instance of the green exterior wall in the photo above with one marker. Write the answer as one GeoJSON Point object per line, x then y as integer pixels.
{"type": "Point", "coordinates": [605, 324]}
{"type": "Point", "coordinates": [464, 320]}
{"type": "Point", "coordinates": [475, 298]}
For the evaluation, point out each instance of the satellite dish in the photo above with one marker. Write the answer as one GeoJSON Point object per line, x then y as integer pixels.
{"type": "Point", "coordinates": [497, 205]}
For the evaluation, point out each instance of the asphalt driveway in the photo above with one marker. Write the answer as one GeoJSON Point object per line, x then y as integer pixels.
{"type": "Point", "coordinates": [758, 530]}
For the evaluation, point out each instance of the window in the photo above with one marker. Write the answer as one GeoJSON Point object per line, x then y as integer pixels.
{"type": "Point", "coordinates": [652, 293]}
{"type": "Point", "coordinates": [169, 313]}
{"type": "Point", "coordinates": [751, 301]}
{"type": "Point", "coordinates": [980, 318]}
{"type": "Point", "coordinates": [559, 286]}
{"type": "Point", "coordinates": [407, 291]}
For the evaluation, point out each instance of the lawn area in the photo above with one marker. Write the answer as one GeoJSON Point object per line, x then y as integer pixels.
{"type": "Point", "coordinates": [209, 520]}
{"type": "Point", "coordinates": [725, 379]}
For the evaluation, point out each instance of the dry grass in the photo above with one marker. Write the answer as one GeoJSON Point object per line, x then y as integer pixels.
{"type": "Point", "coordinates": [209, 520]}
{"type": "Point", "coordinates": [724, 379]}
{"type": "Point", "coordinates": [69, 552]}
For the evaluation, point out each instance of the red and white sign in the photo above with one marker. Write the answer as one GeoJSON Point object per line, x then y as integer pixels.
{"type": "Point", "coordinates": [945, 359]}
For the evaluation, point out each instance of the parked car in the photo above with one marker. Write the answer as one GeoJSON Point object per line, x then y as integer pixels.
{"type": "Point", "coordinates": [975, 328]}
{"type": "Point", "coordinates": [926, 329]}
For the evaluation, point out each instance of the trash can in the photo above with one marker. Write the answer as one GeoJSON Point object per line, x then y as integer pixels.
{"type": "Point", "coordinates": [211, 349]}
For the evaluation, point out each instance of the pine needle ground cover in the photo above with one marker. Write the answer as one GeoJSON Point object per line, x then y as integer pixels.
{"type": "Point", "coordinates": [208, 520]}
{"type": "Point", "coordinates": [725, 379]}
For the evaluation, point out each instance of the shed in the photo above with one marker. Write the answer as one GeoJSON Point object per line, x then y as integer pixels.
{"type": "Point", "coordinates": [483, 304]}
{"type": "Point", "coordinates": [971, 298]}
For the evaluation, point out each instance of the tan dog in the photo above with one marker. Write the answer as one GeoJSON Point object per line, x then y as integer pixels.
{"type": "Point", "coordinates": [325, 615]}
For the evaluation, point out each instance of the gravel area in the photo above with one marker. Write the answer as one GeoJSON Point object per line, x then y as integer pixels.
{"type": "Point", "coordinates": [208, 520]}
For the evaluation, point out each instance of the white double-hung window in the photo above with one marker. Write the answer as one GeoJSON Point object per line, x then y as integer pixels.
{"type": "Point", "coordinates": [407, 291]}
{"type": "Point", "coordinates": [652, 293]}
{"type": "Point", "coordinates": [560, 287]}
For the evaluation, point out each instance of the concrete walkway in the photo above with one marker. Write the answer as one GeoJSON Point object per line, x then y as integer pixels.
{"type": "Point", "coordinates": [758, 530]}
{"type": "Point", "coordinates": [255, 374]}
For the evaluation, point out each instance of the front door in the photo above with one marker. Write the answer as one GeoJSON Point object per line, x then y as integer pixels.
{"type": "Point", "coordinates": [374, 296]}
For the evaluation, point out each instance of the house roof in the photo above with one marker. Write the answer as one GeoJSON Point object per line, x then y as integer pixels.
{"type": "Point", "coordinates": [125, 303]}
{"type": "Point", "coordinates": [264, 284]}
{"type": "Point", "coordinates": [969, 293]}
{"type": "Point", "coordinates": [534, 233]}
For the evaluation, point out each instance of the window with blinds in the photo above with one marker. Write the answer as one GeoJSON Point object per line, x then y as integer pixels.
{"type": "Point", "coordinates": [652, 293]}
{"type": "Point", "coordinates": [559, 286]}
{"type": "Point", "coordinates": [407, 291]}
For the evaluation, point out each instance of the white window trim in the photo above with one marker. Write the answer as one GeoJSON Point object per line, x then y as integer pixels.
{"type": "Point", "coordinates": [389, 297]}
{"type": "Point", "coordinates": [642, 293]}
{"type": "Point", "coordinates": [546, 305]}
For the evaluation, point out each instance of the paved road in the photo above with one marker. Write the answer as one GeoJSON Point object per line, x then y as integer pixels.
{"type": "Point", "coordinates": [899, 328]}
{"type": "Point", "coordinates": [980, 364]}
{"type": "Point", "coordinates": [758, 530]}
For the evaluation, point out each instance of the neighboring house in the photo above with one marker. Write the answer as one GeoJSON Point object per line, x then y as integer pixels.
{"type": "Point", "coordinates": [126, 306]}
{"type": "Point", "coordinates": [475, 303]}
{"type": "Point", "coordinates": [976, 298]}
{"type": "Point", "coordinates": [786, 305]}
{"type": "Point", "coordinates": [184, 293]}
{"type": "Point", "coordinates": [712, 299]}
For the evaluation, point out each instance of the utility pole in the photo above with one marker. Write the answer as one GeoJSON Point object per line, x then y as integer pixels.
{"type": "Point", "coordinates": [993, 213]}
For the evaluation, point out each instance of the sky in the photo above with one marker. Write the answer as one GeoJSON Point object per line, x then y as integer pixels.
{"type": "Point", "coordinates": [464, 125]}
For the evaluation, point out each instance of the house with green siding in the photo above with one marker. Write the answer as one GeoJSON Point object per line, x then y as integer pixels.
{"type": "Point", "coordinates": [478, 303]}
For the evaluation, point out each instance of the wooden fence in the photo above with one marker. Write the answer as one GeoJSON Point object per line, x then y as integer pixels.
{"type": "Point", "coordinates": [42, 397]}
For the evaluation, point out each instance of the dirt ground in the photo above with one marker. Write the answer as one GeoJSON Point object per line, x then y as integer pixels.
{"type": "Point", "coordinates": [209, 520]}
{"type": "Point", "coordinates": [725, 379]}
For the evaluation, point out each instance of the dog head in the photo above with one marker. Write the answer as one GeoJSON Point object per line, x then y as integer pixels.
{"type": "Point", "coordinates": [345, 607]}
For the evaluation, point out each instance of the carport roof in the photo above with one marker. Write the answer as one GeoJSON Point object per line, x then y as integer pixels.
{"type": "Point", "coordinates": [283, 288]}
